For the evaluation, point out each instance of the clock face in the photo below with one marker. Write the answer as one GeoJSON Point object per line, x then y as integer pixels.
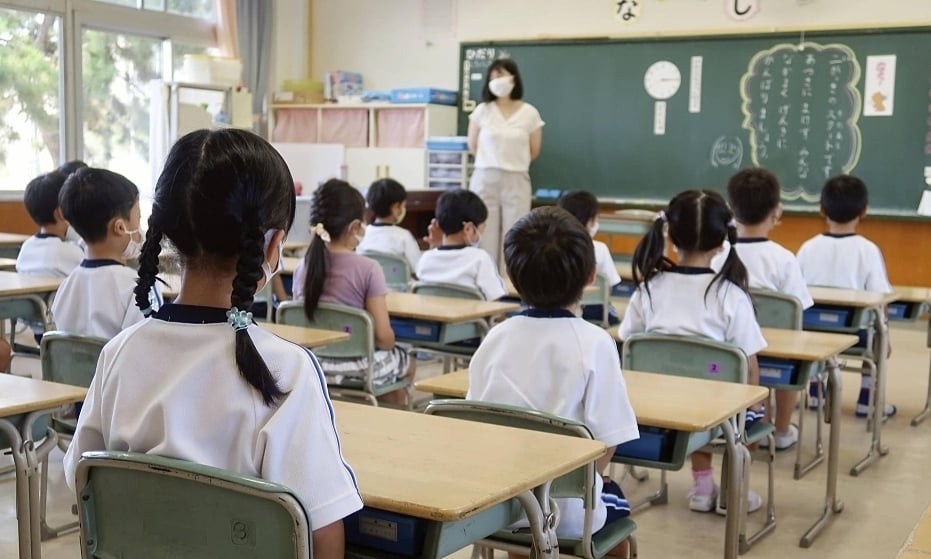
{"type": "Point", "coordinates": [662, 80]}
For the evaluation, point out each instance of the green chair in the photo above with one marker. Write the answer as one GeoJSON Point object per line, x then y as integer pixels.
{"type": "Point", "coordinates": [453, 353]}
{"type": "Point", "coordinates": [702, 358]}
{"type": "Point", "coordinates": [361, 344]}
{"type": "Point", "coordinates": [32, 309]}
{"type": "Point", "coordinates": [140, 505]}
{"type": "Point", "coordinates": [780, 310]}
{"type": "Point", "coordinates": [66, 359]}
{"type": "Point", "coordinates": [599, 296]}
{"type": "Point", "coordinates": [577, 484]}
{"type": "Point", "coordinates": [397, 270]}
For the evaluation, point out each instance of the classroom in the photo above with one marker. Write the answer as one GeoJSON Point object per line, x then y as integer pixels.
{"type": "Point", "coordinates": [450, 167]}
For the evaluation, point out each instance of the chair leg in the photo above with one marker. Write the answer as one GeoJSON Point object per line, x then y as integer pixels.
{"type": "Point", "coordinates": [48, 532]}
{"type": "Point", "coordinates": [659, 497]}
{"type": "Point", "coordinates": [769, 524]}
{"type": "Point", "coordinates": [927, 409]}
{"type": "Point", "coordinates": [802, 469]}
{"type": "Point", "coordinates": [632, 547]}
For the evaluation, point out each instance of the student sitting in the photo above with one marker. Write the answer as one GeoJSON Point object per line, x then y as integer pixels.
{"type": "Point", "coordinates": [754, 196]}
{"type": "Point", "coordinates": [456, 259]}
{"type": "Point", "coordinates": [47, 253]}
{"type": "Point", "coordinates": [690, 299]}
{"type": "Point", "coordinates": [584, 206]}
{"type": "Point", "coordinates": [96, 299]}
{"type": "Point", "coordinates": [574, 370]}
{"type": "Point", "coordinates": [841, 258]}
{"type": "Point", "coordinates": [386, 198]}
{"type": "Point", "coordinates": [332, 272]}
{"type": "Point", "coordinates": [199, 380]}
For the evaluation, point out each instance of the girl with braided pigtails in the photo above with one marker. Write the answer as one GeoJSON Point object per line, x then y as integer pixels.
{"type": "Point", "coordinates": [198, 380]}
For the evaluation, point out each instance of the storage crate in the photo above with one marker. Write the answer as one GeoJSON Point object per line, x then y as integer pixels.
{"type": "Point", "coordinates": [417, 330]}
{"type": "Point", "coordinates": [821, 316]}
{"type": "Point", "coordinates": [654, 444]}
{"type": "Point", "coordinates": [624, 289]}
{"type": "Point", "coordinates": [448, 143]}
{"type": "Point", "coordinates": [901, 310]}
{"type": "Point", "coordinates": [774, 372]}
{"type": "Point", "coordinates": [385, 531]}
{"type": "Point", "coordinates": [424, 95]}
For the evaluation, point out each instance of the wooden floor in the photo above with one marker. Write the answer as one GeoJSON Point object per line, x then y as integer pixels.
{"type": "Point", "coordinates": [882, 505]}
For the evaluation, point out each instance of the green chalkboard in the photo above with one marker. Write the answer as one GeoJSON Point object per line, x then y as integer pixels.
{"type": "Point", "coordinates": [641, 119]}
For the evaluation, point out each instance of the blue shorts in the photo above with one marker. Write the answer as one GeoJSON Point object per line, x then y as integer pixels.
{"type": "Point", "coordinates": [615, 501]}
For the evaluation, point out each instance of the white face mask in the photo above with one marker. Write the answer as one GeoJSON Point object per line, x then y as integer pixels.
{"type": "Point", "coordinates": [362, 236]}
{"type": "Point", "coordinates": [267, 269]}
{"type": "Point", "coordinates": [133, 248]}
{"type": "Point", "coordinates": [71, 236]}
{"type": "Point", "coordinates": [401, 215]}
{"type": "Point", "coordinates": [593, 229]}
{"type": "Point", "coordinates": [501, 87]}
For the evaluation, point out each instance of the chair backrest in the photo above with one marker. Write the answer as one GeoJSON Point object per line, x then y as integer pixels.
{"type": "Point", "coordinates": [598, 296]}
{"type": "Point", "coordinates": [140, 505]}
{"type": "Point", "coordinates": [685, 356]}
{"type": "Point", "coordinates": [331, 316]}
{"type": "Point", "coordinates": [31, 308]}
{"type": "Point", "coordinates": [447, 290]}
{"type": "Point", "coordinates": [397, 270]}
{"type": "Point", "coordinates": [70, 358]}
{"type": "Point", "coordinates": [579, 483]}
{"type": "Point", "coordinates": [777, 310]}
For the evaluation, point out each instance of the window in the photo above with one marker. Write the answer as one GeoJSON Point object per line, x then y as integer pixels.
{"type": "Point", "coordinates": [203, 9]}
{"type": "Point", "coordinates": [29, 101]}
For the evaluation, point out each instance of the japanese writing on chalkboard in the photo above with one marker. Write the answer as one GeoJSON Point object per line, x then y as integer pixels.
{"type": "Point", "coordinates": [627, 10]}
{"type": "Point", "coordinates": [801, 106]}
{"type": "Point", "coordinates": [475, 62]}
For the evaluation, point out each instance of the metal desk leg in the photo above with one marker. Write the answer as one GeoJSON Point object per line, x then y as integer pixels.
{"type": "Point", "coordinates": [877, 450]}
{"type": "Point", "coordinates": [832, 505]}
{"type": "Point", "coordinates": [735, 472]}
{"type": "Point", "coordinates": [800, 468]}
{"type": "Point", "coordinates": [23, 512]}
{"type": "Point", "coordinates": [542, 522]}
{"type": "Point", "coordinates": [927, 410]}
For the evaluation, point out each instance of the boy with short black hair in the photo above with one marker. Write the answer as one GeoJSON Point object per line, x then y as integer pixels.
{"type": "Point", "coordinates": [97, 298]}
{"type": "Point", "coordinates": [841, 258]}
{"type": "Point", "coordinates": [456, 258]}
{"type": "Point", "coordinates": [574, 370]}
{"type": "Point", "coordinates": [47, 253]}
{"type": "Point", "coordinates": [387, 200]}
{"type": "Point", "coordinates": [584, 206]}
{"type": "Point", "coordinates": [755, 197]}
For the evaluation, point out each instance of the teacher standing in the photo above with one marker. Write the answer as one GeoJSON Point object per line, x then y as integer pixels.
{"type": "Point", "coordinates": [505, 135]}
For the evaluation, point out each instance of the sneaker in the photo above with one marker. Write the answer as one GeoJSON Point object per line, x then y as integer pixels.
{"type": "Point", "coordinates": [863, 405]}
{"type": "Point", "coordinates": [699, 502]}
{"type": "Point", "coordinates": [784, 441]}
{"type": "Point", "coordinates": [754, 503]}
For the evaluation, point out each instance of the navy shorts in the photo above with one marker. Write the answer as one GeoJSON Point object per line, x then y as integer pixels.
{"type": "Point", "coordinates": [615, 501]}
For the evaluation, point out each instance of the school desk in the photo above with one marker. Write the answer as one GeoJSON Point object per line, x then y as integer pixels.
{"type": "Point", "coordinates": [458, 478]}
{"type": "Point", "coordinates": [305, 337]}
{"type": "Point", "coordinates": [921, 298]}
{"type": "Point", "coordinates": [513, 294]}
{"type": "Point", "coordinates": [440, 320]}
{"type": "Point", "coordinates": [681, 405]}
{"type": "Point", "coordinates": [15, 288]}
{"type": "Point", "coordinates": [875, 303]}
{"type": "Point", "coordinates": [22, 402]}
{"type": "Point", "coordinates": [289, 264]}
{"type": "Point", "coordinates": [918, 544]}
{"type": "Point", "coordinates": [294, 248]}
{"type": "Point", "coordinates": [809, 349]}
{"type": "Point", "coordinates": [12, 240]}
{"type": "Point", "coordinates": [7, 264]}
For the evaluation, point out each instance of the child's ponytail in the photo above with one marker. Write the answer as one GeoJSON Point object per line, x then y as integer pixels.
{"type": "Point", "coordinates": [317, 263]}
{"type": "Point", "coordinates": [650, 255]}
{"type": "Point", "coordinates": [733, 269]}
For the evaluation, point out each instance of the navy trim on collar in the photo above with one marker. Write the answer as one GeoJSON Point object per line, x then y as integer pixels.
{"type": "Point", "coordinates": [534, 312]}
{"type": "Point", "coordinates": [99, 263]}
{"type": "Point", "coordinates": [41, 235]}
{"type": "Point", "coordinates": [690, 270]}
{"type": "Point", "coordinates": [451, 247]}
{"type": "Point", "coordinates": [191, 314]}
{"type": "Point", "coordinates": [839, 235]}
{"type": "Point", "coordinates": [376, 224]}
{"type": "Point", "coordinates": [752, 240]}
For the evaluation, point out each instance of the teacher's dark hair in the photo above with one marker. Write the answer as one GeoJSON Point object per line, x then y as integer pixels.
{"type": "Point", "coordinates": [509, 66]}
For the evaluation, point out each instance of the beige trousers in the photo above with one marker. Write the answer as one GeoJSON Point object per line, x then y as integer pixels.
{"type": "Point", "coordinates": [507, 195]}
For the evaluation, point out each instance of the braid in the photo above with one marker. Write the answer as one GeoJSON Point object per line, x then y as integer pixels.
{"type": "Point", "coordinates": [148, 265]}
{"type": "Point", "coordinates": [248, 273]}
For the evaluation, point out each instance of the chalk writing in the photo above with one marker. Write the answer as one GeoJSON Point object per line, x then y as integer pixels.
{"type": "Point", "coordinates": [801, 107]}
{"type": "Point", "coordinates": [727, 152]}
{"type": "Point", "coordinates": [474, 65]}
{"type": "Point", "coordinates": [628, 10]}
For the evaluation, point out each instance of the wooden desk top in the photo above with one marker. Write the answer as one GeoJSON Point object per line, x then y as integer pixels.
{"type": "Point", "coordinates": [439, 468]}
{"type": "Point", "coordinates": [290, 264]}
{"type": "Point", "coordinates": [911, 294]}
{"type": "Point", "coordinates": [12, 239]}
{"type": "Point", "coordinates": [305, 337]}
{"type": "Point", "coordinates": [802, 345]}
{"type": "Point", "coordinates": [918, 544]}
{"type": "Point", "coordinates": [444, 309]}
{"type": "Point", "coordinates": [512, 291]}
{"type": "Point", "coordinates": [23, 395]}
{"type": "Point", "coordinates": [665, 401]}
{"type": "Point", "coordinates": [12, 284]}
{"type": "Point", "coordinates": [8, 264]}
{"type": "Point", "coordinates": [625, 270]}
{"type": "Point", "coordinates": [850, 297]}
{"type": "Point", "coordinates": [293, 246]}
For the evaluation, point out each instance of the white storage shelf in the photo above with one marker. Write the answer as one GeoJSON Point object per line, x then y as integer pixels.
{"type": "Point", "coordinates": [381, 139]}
{"type": "Point", "coordinates": [448, 169]}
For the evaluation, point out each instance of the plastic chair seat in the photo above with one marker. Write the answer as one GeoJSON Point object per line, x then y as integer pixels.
{"type": "Point", "coordinates": [758, 431]}
{"type": "Point", "coordinates": [603, 540]}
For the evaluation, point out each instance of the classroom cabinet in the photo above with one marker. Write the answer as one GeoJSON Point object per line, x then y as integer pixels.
{"type": "Point", "coordinates": [380, 140]}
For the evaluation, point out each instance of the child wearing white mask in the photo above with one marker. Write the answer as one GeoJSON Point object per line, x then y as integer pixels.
{"type": "Point", "coordinates": [96, 299]}
{"type": "Point", "coordinates": [505, 134]}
